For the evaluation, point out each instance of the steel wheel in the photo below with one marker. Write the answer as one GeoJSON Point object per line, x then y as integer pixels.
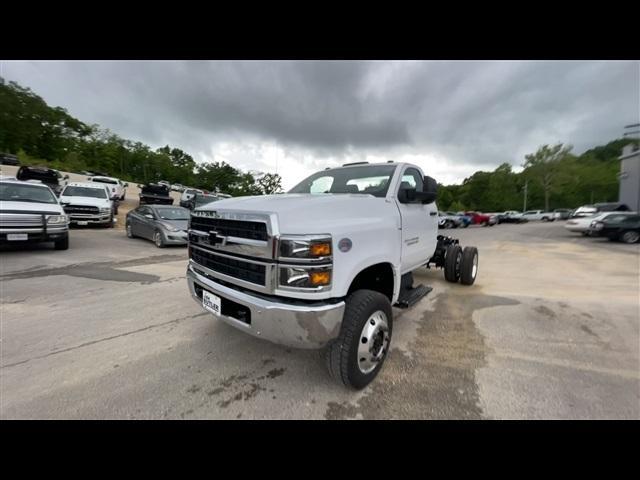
{"type": "Point", "coordinates": [374, 342]}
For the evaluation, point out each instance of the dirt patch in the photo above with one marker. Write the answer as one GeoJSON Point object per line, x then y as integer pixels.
{"type": "Point", "coordinates": [438, 380]}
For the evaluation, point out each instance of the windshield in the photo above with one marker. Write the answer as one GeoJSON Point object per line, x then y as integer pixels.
{"type": "Point", "coordinates": [204, 199]}
{"type": "Point", "coordinates": [176, 213]}
{"type": "Point", "coordinates": [191, 192]}
{"type": "Point", "coordinates": [14, 192]}
{"type": "Point", "coordinates": [373, 180]}
{"type": "Point", "coordinates": [84, 192]}
{"type": "Point", "coordinates": [104, 180]}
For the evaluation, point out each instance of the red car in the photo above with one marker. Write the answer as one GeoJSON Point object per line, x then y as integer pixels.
{"type": "Point", "coordinates": [478, 218]}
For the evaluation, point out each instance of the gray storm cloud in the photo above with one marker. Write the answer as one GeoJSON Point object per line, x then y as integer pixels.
{"type": "Point", "coordinates": [471, 112]}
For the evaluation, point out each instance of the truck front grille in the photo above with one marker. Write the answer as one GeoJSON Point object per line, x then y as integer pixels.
{"type": "Point", "coordinates": [11, 220]}
{"type": "Point", "coordinates": [71, 209]}
{"type": "Point", "coordinates": [231, 228]}
{"type": "Point", "coordinates": [233, 267]}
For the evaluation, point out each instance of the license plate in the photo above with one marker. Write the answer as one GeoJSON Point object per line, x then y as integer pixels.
{"type": "Point", "coordinates": [17, 236]}
{"type": "Point", "coordinates": [211, 302]}
{"type": "Point", "coordinates": [83, 223]}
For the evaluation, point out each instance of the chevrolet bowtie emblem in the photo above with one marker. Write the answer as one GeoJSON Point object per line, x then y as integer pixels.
{"type": "Point", "coordinates": [214, 238]}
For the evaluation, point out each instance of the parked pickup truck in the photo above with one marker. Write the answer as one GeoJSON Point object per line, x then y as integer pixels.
{"type": "Point", "coordinates": [30, 212]}
{"type": "Point", "coordinates": [154, 193]}
{"type": "Point", "coordinates": [88, 203]}
{"type": "Point", "coordinates": [48, 176]}
{"type": "Point", "coordinates": [532, 215]}
{"type": "Point", "coordinates": [321, 266]}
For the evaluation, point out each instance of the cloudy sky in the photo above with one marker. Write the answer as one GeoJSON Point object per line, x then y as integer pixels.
{"type": "Point", "coordinates": [451, 118]}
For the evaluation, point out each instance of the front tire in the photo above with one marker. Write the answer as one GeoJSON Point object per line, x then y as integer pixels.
{"type": "Point", "coordinates": [158, 240]}
{"type": "Point", "coordinates": [356, 357]}
{"type": "Point", "coordinates": [62, 244]}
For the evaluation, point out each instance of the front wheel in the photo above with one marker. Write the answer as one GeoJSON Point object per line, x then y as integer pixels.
{"type": "Point", "coordinates": [129, 231]}
{"type": "Point", "coordinates": [357, 355]}
{"type": "Point", "coordinates": [158, 240]}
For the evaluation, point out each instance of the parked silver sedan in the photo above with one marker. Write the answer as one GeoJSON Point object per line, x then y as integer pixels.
{"type": "Point", "coordinates": [164, 224]}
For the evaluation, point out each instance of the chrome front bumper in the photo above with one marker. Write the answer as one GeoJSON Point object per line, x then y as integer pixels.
{"type": "Point", "coordinates": [299, 325]}
{"type": "Point", "coordinates": [101, 218]}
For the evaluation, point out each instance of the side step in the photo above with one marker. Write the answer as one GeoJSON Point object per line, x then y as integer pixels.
{"type": "Point", "coordinates": [410, 296]}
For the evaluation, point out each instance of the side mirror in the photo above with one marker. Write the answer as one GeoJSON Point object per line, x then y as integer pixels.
{"type": "Point", "coordinates": [126, 185]}
{"type": "Point", "coordinates": [66, 177]}
{"type": "Point", "coordinates": [429, 191]}
{"type": "Point", "coordinates": [148, 215]}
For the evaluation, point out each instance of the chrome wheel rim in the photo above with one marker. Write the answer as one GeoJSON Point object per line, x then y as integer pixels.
{"type": "Point", "coordinates": [373, 343]}
{"type": "Point", "coordinates": [474, 269]}
{"type": "Point", "coordinates": [157, 238]}
{"type": "Point", "coordinates": [129, 232]}
{"type": "Point", "coordinates": [631, 237]}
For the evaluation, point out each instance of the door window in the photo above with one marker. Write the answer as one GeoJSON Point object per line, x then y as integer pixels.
{"type": "Point", "coordinates": [412, 178]}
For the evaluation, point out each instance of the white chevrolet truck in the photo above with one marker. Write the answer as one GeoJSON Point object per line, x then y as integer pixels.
{"type": "Point", "coordinates": [322, 266]}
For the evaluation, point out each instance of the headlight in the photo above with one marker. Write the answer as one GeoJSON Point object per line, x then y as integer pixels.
{"type": "Point", "coordinates": [305, 277]}
{"type": "Point", "coordinates": [105, 210]}
{"type": "Point", "coordinates": [169, 227]}
{"type": "Point", "coordinates": [57, 219]}
{"type": "Point", "coordinates": [305, 247]}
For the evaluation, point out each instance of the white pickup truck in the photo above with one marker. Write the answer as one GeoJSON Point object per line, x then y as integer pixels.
{"type": "Point", "coordinates": [322, 265]}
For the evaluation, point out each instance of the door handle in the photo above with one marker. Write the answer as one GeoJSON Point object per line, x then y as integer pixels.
{"type": "Point", "coordinates": [433, 214]}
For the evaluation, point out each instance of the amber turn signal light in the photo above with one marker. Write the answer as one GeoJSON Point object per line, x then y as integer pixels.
{"type": "Point", "coordinates": [320, 278]}
{"type": "Point", "coordinates": [320, 249]}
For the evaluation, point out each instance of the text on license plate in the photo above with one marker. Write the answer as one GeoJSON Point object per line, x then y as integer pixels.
{"type": "Point", "coordinates": [211, 302]}
{"type": "Point", "coordinates": [17, 236]}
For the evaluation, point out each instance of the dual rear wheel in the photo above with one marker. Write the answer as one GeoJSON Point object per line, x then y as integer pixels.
{"type": "Point", "coordinates": [461, 265]}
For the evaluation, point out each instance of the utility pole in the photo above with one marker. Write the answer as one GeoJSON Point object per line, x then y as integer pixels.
{"type": "Point", "coordinates": [526, 184]}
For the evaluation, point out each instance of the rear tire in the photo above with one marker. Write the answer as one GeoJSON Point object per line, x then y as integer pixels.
{"type": "Point", "coordinates": [62, 244]}
{"type": "Point", "coordinates": [469, 266]}
{"type": "Point", "coordinates": [356, 357]}
{"type": "Point", "coordinates": [630, 236]}
{"type": "Point", "coordinates": [453, 257]}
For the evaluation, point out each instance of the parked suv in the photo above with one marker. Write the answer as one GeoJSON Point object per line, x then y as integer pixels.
{"type": "Point", "coordinates": [48, 176]}
{"type": "Point", "coordinates": [88, 203]}
{"type": "Point", "coordinates": [117, 188]}
{"type": "Point", "coordinates": [30, 212]}
{"type": "Point", "coordinates": [322, 265]}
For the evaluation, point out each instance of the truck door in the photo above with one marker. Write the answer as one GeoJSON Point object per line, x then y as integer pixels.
{"type": "Point", "coordinates": [419, 225]}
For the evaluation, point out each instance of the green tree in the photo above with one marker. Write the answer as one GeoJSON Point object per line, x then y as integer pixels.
{"type": "Point", "coordinates": [544, 164]}
{"type": "Point", "coordinates": [270, 183]}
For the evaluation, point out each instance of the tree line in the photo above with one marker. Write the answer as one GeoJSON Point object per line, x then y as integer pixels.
{"type": "Point", "coordinates": [553, 176]}
{"type": "Point", "coordinates": [43, 135]}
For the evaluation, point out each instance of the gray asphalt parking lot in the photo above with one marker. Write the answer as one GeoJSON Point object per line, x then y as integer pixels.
{"type": "Point", "coordinates": [107, 330]}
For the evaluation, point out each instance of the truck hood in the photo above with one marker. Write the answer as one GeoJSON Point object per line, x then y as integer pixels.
{"type": "Point", "coordinates": [31, 207]}
{"type": "Point", "coordinates": [310, 213]}
{"type": "Point", "coordinates": [89, 201]}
